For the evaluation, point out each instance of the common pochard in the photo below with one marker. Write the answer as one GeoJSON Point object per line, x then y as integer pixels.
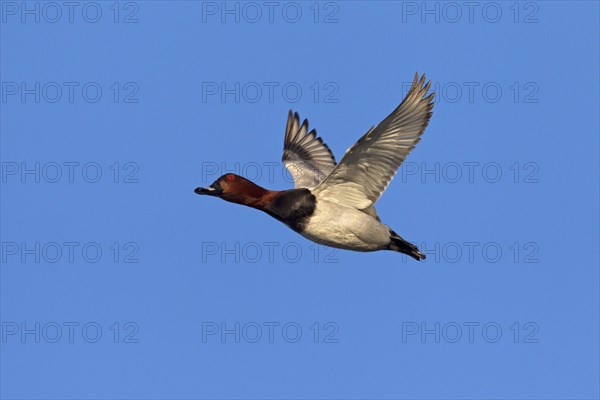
{"type": "Point", "coordinates": [333, 204]}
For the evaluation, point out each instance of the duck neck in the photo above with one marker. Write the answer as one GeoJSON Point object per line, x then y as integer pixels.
{"type": "Point", "coordinates": [251, 195]}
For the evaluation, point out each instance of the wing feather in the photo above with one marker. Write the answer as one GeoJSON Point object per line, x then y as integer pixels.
{"type": "Point", "coordinates": [369, 165]}
{"type": "Point", "coordinates": [308, 159]}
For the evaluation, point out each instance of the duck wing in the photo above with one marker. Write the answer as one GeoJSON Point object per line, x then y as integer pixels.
{"type": "Point", "coordinates": [308, 159]}
{"type": "Point", "coordinates": [369, 165]}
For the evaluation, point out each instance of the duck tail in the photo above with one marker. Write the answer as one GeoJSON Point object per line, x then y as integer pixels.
{"type": "Point", "coordinates": [402, 246]}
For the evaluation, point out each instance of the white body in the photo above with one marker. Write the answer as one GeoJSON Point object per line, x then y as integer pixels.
{"type": "Point", "coordinates": [346, 227]}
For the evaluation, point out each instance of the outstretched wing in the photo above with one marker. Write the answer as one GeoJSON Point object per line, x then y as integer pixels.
{"type": "Point", "coordinates": [370, 164]}
{"type": "Point", "coordinates": [305, 156]}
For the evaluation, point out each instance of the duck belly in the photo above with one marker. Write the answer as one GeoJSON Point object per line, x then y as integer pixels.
{"type": "Point", "coordinates": [345, 227]}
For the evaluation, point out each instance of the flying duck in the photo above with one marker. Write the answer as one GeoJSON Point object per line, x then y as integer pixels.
{"type": "Point", "coordinates": [333, 204]}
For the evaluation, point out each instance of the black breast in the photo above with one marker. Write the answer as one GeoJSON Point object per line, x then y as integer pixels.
{"type": "Point", "coordinates": [293, 207]}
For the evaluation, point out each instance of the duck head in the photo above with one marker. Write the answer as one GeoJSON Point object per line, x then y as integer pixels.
{"type": "Point", "coordinates": [234, 188]}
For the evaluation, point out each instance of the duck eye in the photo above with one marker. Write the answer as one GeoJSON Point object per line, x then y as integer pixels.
{"type": "Point", "coordinates": [229, 178]}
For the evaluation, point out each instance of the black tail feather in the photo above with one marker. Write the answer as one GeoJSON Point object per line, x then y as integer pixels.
{"type": "Point", "coordinates": [400, 245]}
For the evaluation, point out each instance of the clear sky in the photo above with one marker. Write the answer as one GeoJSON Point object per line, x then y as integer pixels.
{"type": "Point", "coordinates": [119, 282]}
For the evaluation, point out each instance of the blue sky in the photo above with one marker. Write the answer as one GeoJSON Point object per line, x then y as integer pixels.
{"type": "Point", "coordinates": [117, 281]}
